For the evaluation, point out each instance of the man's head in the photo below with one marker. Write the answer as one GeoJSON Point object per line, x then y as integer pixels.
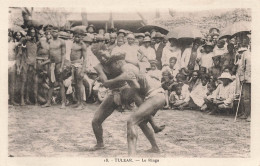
{"type": "Point", "coordinates": [77, 38]}
{"type": "Point", "coordinates": [225, 78]}
{"type": "Point", "coordinates": [140, 37]}
{"type": "Point", "coordinates": [204, 79]}
{"type": "Point", "coordinates": [90, 28]}
{"type": "Point", "coordinates": [208, 47]}
{"type": "Point", "coordinates": [153, 64]}
{"type": "Point", "coordinates": [178, 89]}
{"type": "Point", "coordinates": [215, 38]}
{"type": "Point", "coordinates": [55, 33]}
{"type": "Point", "coordinates": [195, 75]}
{"type": "Point", "coordinates": [147, 42]}
{"type": "Point", "coordinates": [101, 31]}
{"type": "Point", "coordinates": [158, 37]}
{"type": "Point", "coordinates": [216, 60]}
{"type": "Point", "coordinates": [18, 35]}
{"type": "Point", "coordinates": [32, 32]}
{"type": "Point", "coordinates": [130, 39]}
{"type": "Point", "coordinates": [211, 86]}
{"type": "Point", "coordinates": [173, 42]}
{"type": "Point", "coordinates": [172, 62]}
{"type": "Point", "coordinates": [120, 41]}
{"type": "Point", "coordinates": [166, 75]}
{"type": "Point", "coordinates": [221, 43]}
{"type": "Point", "coordinates": [113, 38]}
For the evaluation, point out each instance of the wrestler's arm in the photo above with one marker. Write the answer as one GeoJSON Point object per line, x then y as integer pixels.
{"type": "Point", "coordinates": [128, 74]}
{"type": "Point", "coordinates": [63, 52]}
{"type": "Point", "coordinates": [100, 72]}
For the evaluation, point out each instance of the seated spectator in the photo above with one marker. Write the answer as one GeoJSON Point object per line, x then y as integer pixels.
{"type": "Point", "coordinates": [167, 81]}
{"type": "Point", "coordinates": [194, 80]}
{"type": "Point", "coordinates": [180, 97]}
{"type": "Point", "coordinates": [172, 68]}
{"type": "Point", "coordinates": [211, 87]}
{"type": "Point", "coordinates": [198, 93]}
{"type": "Point", "coordinates": [223, 96]}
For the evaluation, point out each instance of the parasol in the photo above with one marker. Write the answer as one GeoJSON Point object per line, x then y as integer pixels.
{"type": "Point", "coordinates": [236, 29]}
{"type": "Point", "coordinates": [79, 29]}
{"type": "Point", "coordinates": [187, 32]}
{"type": "Point", "coordinates": [148, 28]}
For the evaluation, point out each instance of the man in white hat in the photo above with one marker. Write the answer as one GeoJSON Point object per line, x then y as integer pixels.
{"type": "Point", "coordinates": [146, 49]}
{"type": "Point", "coordinates": [223, 96]}
{"type": "Point", "coordinates": [140, 37]}
{"type": "Point", "coordinates": [159, 46]}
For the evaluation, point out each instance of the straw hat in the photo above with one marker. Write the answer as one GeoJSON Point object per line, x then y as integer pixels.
{"type": "Point", "coordinates": [147, 39]}
{"type": "Point", "coordinates": [226, 75]}
{"type": "Point", "coordinates": [130, 36]}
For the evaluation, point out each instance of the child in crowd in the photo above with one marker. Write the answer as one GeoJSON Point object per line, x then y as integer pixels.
{"type": "Point", "coordinates": [154, 72]}
{"type": "Point", "coordinates": [172, 67]}
{"type": "Point", "coordinates": [194, 80]}
{"type": "Point", "coordinates": [180, 97]}
{"type": "Point", "coordinates": [167, 81]}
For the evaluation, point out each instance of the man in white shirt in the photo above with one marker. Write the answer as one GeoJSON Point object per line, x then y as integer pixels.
{"type": "Point", "coordinates": [205, 58]}
{"type": "Point", "coordinates": [146, 50]}
{"type": "Point", "coordinates": [171, 50]}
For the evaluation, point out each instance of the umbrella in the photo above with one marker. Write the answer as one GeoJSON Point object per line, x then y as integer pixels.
{"type": "Point", "coordinates": [148, 28]}
{"type": "Point", "coordinates": [80, 29]}
{"type": "Point", "coordinates": [187, 32]}
{"type": "Point", "coordinates": [236, 28]}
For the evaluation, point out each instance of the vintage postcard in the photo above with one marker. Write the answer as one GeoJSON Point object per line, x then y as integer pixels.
{"type": "Point", "coordinates": [130, 83]}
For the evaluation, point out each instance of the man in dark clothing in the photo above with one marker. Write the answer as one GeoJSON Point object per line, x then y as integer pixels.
{"type": "Point", "coordinates": [159, 45]}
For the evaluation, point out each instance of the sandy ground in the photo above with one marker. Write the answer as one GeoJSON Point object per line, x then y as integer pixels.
{"type": "Point", "coordinates": [52, 132]}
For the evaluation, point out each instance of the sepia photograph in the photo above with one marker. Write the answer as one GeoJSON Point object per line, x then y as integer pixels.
{"type": "Point", "coordinates": [163, 83]}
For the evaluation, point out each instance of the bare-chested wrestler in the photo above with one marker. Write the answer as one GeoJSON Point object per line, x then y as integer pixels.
{"type": "Point", "coordinates": [42, 59]}
{"type": "Point", "coordinates": [108, 105]}
{"type": "Point", "coordinates": [153, 100]}
{"type": "Point", "coordinates": [78, 51]}
{"type": "Point", "coordinates": [12, 71]}
{"type": "Point", "coordinates": [57, 51]}
{"type": "Point", "coordinates": [27, 53]}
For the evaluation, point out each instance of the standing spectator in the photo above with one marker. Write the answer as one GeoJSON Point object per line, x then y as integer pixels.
{"type": "Point", "coordinates": [171, 50]}
{"type": "Point", "coordinates": [185, 57]}
{"type": "Point", "coordinates": [159, 46]}
{"type": "Point", "coordinates": [205, 58]}
{"type": "Point", "coordinates": [246, 85]}
{"type": "Point", "coordinates": [193, 65]}
{"type": "Point", "coordinates": [154, 72]}
{"type": "Point", "coordinates": [227, 59]}
{"type": "Point", "coordinates": [146, 49]}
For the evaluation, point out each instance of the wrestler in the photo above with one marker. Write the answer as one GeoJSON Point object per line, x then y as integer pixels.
{"type": "Point", "coordinates": [154, 100]}
{"type": "Point", "coordinates": [42, 59]}
{"type": "Point", "coordinates": [27, 54]}
{"type": "Point", "coordinates": [78, 51]}
{"type": "Point", "coordinates": [12, 71]}
{"type": "Point", "coordinates": [57, 51]}
{"type": "Point", "coordinates": [108, 105]}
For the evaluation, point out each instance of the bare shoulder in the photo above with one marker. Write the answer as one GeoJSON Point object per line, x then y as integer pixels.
{"type": "Point", "coordinates": [130, 68]}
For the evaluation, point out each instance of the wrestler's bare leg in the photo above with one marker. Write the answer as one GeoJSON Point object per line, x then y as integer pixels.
{"type": "Point", "coordinates": [12, 79]}
{"type": "Point", "coordinates": [148, 108]}
{"type": "Point", "coordinates": [105, 110]}
{"type": "Point", "coordinates": [63, 96]}
{"type": "Point", "coordinates": [138, 101]}
{"type": "Point", "coordinates": [79, 89]}
{"type": "Point", "coordinates": [35, 89]}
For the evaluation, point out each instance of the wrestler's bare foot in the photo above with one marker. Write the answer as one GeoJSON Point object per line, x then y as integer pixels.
{"type": "Point", "coordinates": [153, 150]}
{"type": "Point", "coordinates": [159, 129]}
{"type": "Point", "coordinates": [79, 107]}
{"type": "Point", "coordinates": [97, 147]}
{"type": "Point", "coordinates": [14, 103]}
{"type": "Point", "coordinates": [63, 106]}
{"type": "Point", "coordinates": [46, 105]}
{"type": "Point", "coordinates": [23, 103]}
